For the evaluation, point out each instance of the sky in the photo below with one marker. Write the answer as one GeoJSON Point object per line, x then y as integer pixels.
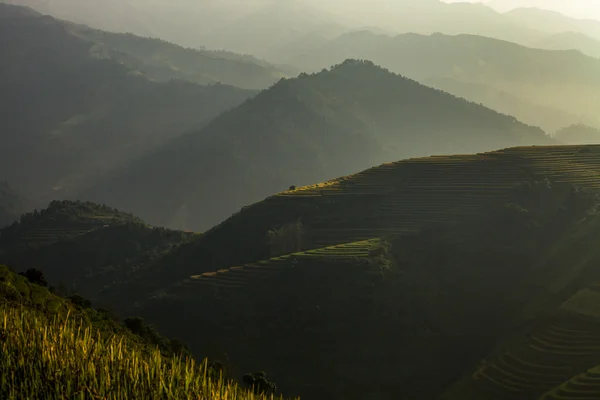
{"type": "Point", "coordinates": [573, 8]}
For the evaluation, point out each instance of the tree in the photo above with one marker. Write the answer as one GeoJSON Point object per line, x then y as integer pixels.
{"type": "Point", "coordinates": [286, 239]}
{"type": "Point", "coordinates": [35, 276]}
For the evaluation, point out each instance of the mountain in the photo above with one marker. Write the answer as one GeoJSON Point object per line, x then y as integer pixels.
{"type": "Point", "coordinates": [413, 271]}
{"type": "Point", "coordinates": [553, 22]}
{"type": "Point", "coordinates": [69, 116]}
{"type": "Point", "coordinates": [304, 130]}
{"type": "Point", "coordinates": [83, 347]}
{"type": "Point", "coordinates": [163, 61]}
{"type": "Point", "coordinates": [546, 117]}
{"type": "Point", "coordinates": [11, 204]}
{"type": "Point", "coordinates": [450, 270]}
{"type": "Point", "coordinates": [578, 134]}
{"type": "Point", "coordinates": [562, 80]}
{"type": "Point", "coordinates": [571, 40]}
{"type": "Point", "coordinates": [274, 27]}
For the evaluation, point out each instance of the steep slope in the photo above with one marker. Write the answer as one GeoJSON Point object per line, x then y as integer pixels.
{"type": "Point", "coordinates": [11, 205]}
{"type": "Point", "coordinates": [394, 198]}
{"type": "Point", "coordinates": [304, 130]}
{"type": "Point", "coordinates": [163, 61]}
{"type": "Point", "coordinates": [546, 117]}
{"type": "Point", "coordinates": [86, 352]}
{"type": "Point", "coordinates": [69, 116]}
{"type": "Point", "coordinates": [409, 272]}
{"type": "Point", "coordinates": [563, 80]}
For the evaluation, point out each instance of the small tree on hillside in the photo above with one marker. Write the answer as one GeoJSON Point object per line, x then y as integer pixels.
{"type": "Point", "coordinates": [35, 276]}
{"type": "Point", "coordinates": [286, 239]}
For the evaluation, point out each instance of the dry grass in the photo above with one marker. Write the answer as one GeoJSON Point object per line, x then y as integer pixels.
{"type": "Point", "coordinates": [61, 358]}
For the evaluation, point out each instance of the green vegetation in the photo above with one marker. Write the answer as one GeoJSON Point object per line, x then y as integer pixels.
{"type": "Point", "coordinates": [389, 263]}
{"type": "Point", "coordinates": [85, 247]}
{"type": "Point", "coordinates": [375, 274]}
{"type": "Point", "coordinates": [306, 130]}
{"type": "Point", "coordinates": [550, 89]}
{"type": "Point", "coordinates": [57, 350]}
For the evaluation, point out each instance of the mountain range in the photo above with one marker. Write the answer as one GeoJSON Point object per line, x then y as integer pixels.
{"type": "Point", "coordinates": [304, 130]}
{"type": "Point", "coordinates": [551, 89]}
{"type": "Point", "coordinates": [70, 113]}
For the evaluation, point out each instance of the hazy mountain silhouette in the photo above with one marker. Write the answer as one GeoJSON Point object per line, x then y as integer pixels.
{"type": "Point", "coordinates": [164, 61]}
{"type": "Point", "coordinates": [563, 80]}
{"type": "Point", "coordinates": [578, 134]}
{"type": "Point", "coordinates": [570, 40]}
{"type": "Point", "coordinates": [553, 22]}
{"type": "Point", "coordinates": [69, 115]}
{"type": "Point", "coordinates": [303, 130]}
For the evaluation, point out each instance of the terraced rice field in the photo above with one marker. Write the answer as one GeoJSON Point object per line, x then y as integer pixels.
{"type": "Point", "coordinates": [408, 195]}
{"type": "Point", "coordinates": [48, 235]}
{"type": "Point", "coordinates": [242, 276]}
{"type": "Point", "coordinates": [563, 346]}
{"type": "Point", "coordinates": [582, 387]}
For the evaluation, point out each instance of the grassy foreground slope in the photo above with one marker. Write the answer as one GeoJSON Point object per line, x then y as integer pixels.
{"type": "Point", "coordinates": [305, 130]}
{"type": "Point", "coordinates": [54, 349]}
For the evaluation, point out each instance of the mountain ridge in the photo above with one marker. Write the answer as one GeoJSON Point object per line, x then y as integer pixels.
{"type": "Point", "coordinates": [309, 129]}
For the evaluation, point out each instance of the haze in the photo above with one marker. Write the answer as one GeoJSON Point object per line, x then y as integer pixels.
{"type": "Point", "coordinates": [573, 8]}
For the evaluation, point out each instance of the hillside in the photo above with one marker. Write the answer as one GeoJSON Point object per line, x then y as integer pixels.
{"type": "Point", "coordinates": [69, 117]}
{"type": "Point", "coordinates": [84, 352]}
{"type": "Point", "coordinates": [85, 247]}
{"type": "Point", "coordinates": [578, 134]}
{"type": "Point", "coordinates": [543, 79]}
{"type": "Point", "coordinates": [413, 271]}
{"type": "Point", "coordinates": [571, 40]}
{"type": "Point", "coordinates": [553, 22]}
{"type": "Point", "coordinates": [11, 205]}
{"type": "Point", "coordinates": [300, 131]}
{"type": "Point", "coordinates": [164, 61]}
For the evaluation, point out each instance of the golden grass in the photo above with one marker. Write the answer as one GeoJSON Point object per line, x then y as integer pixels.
{"type": "Point", "coordinates": [61, 358]}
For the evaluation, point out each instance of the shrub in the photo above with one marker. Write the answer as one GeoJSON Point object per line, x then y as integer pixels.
{"type": "Point", "coordinates": [259, 383]}
{"type": "Point", "coordinates": [35, 276]}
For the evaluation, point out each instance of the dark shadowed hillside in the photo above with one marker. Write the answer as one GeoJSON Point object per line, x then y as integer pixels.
{"type": "Point", "coordinates": [541, 79]}
{"type": "Point", "coordinates": [85, 247]}
{"type": "Point", "coordinates": [304, 130]}
{"type": "Point", "coordinates": [68, 116]}
{"type": "Point", "coordinates": [413, 271]}
{"type": "Point", "coordinates": [11, 204]}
